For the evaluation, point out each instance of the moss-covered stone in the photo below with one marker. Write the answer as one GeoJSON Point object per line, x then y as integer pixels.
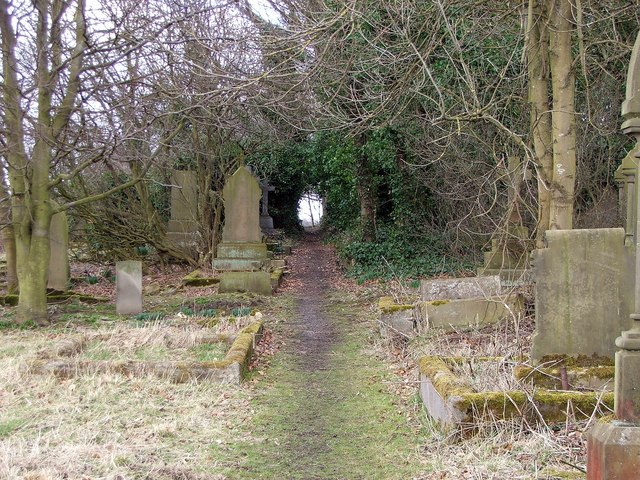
{"type": "Point", "coordinates": [593, 377]}
{"type": "Point", "coordinates": [197, 279]}
{"type": "Point", "coordinates": [436, 303]}
{"type": "Point", "coordinates": [388, 305]}
{"type": "Point", "coordinates": [576, 360]}
{"type": "Point", "coordinates": [57, 297]}
{"type": "Point", "coordinates": [468, 405]}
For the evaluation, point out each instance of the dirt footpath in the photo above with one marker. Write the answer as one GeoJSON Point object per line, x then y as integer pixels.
{"type": "Point", "coordinates": [323, 410]}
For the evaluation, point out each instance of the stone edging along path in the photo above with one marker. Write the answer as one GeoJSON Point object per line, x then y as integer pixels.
{"type": "Point", "coordinates": [230, 369]}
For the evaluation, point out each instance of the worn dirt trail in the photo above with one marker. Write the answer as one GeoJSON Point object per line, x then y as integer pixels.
{"type": "Point", "coordinates": [322, 410]}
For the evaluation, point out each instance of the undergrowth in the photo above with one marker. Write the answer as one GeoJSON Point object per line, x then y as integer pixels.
{"type": "Point", "coordinates": [400, 254]}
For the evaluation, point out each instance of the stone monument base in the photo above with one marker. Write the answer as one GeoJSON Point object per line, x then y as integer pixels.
{"type": "Point", "coordinates": [241, 256]}
{"type": "Point", "coordinates": [257, 282]}
{"type": "Point", "coordinates": [242, 250]}
{"type": "Point", "coordinates": [266, 223]}
{"type": "Point", "coordinates": [185, 242]}
{"type": "Point", "coordinates": [613, 451]}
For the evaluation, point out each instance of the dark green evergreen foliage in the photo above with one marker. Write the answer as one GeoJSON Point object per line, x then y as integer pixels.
{"type": "Point", "coordinates": [398, 253]}
{"type": "Point", "coordinates": [407, 213]}
{"type": "Point", "coordinates": [287, 168]}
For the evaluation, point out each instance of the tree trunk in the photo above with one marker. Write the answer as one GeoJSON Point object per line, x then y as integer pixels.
{"type": "Point", "coordinates": [32, 259]}
{"type": "Point", "coordinates": [538, 58]}
{"type": "Point", "coordinates": [366, 193]}
{"type": "Point", "coordinates": [563, 115]}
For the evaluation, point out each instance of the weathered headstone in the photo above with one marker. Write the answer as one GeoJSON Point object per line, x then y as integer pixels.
{"type": "Point", "coordinates": [266, 222]}
{"type": "Point", "coordinates": [581, 278]}
{"type": "Point", "coordinates": [182, 229]}
{"type": "Point", "coordinates": [613, 449]}
{"type": "Point", "coordinates": [510, 246]}
{"type": "Point", "coordinates": [59, 261]}
{"type": "Point", "coordinates": [128, 287]}
{"type": "Point", "coordinates": [241, 195]}
{"type": "Point", "coordinates": [242, 255]}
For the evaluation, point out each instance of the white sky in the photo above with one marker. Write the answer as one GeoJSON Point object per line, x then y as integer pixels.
{"type": "Point", "coordinates": [307, 206]}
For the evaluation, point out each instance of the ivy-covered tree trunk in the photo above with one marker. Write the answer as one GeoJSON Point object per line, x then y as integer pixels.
{"type": "Point", "coordinates": [538, 58]}
{"type": "Point", "coordinates": [367, 193]}
{"type": "Point", "coordinates": [563, 116]}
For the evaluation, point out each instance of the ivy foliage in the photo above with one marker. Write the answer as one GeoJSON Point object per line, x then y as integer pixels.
{"type": "Point", "coordinates": [408, 243]}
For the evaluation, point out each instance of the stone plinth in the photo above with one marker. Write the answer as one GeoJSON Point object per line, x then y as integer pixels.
{"type": "Point", "coordinates": [396, 318]}
{"type": "Point", "coordinates": [59, 261]}
{"type": "Point", "coordinates": [129, 287]}
{"type": "Point", "coordinates": [257, 282]}
{"type": "Point", "coordinates": [242, 250]}
{"type": "Point", "coordinates": [464, 302]}
{"type": "Point", "coordinates": [613, 451]}
{"type": "Point", "coordinates": [266, 223]}
{"type": "Point", "coordinates": [509, 257]}
{"type": "Point", "coordinates": [584, 293]}
{"type": "Point", "coordinates": [627, 386]}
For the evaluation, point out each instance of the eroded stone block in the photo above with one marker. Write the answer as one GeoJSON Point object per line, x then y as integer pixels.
{"type": "Point", "coordinates": [584, 293]}
{"type": "Point", "coordinates": [457, 288]}
{"type": "Point", "coordinates": [128, 287]}
{"type": "Point", "coordinates": [467, 312]}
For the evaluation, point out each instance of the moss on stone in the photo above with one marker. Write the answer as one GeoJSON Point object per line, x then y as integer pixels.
{"type": "Point", "coordinates": [576, 361]}
{"type": "Point", "coordinates": [436, 303]}
{"type": "Point", "coordinates": [550, 377]}
{"type": "Point", "coordinates": [552, 474]}
{"type": "Point", "coordinates": [551, 405]}
{"type": "Point", "coordinates": [12, 299]}
{"type": "Point", "coordinates": [197, 279]}
{"type": "Point", "coordinates": [388, 305]}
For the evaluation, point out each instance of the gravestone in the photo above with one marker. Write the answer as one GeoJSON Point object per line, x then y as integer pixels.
{"type": "Point", "coordinates": [128, 287]}
{"type": "Point", "coordinates": [510, 247]}
{"type": "Point", "coordinates": [581, 278]}
{"type": "Point", "coordinates": [266, 222]}
{"type": "Point", "coordinates": [182, 230]}
{"type": "Point", "coordinates": [242, 256]}
{"type": "Point", "coordinates": [461, 302]}
{"type": "Point", "coordinates": [58, 276]}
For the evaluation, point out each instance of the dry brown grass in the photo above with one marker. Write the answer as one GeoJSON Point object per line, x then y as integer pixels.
{"type": "Point", "coordinates": [496, 448]}
{"type": "Point", "coordinates": [110, 426]}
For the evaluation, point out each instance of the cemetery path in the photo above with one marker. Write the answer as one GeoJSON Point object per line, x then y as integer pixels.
{"type": "Point", "coordinates": [322, 409]}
